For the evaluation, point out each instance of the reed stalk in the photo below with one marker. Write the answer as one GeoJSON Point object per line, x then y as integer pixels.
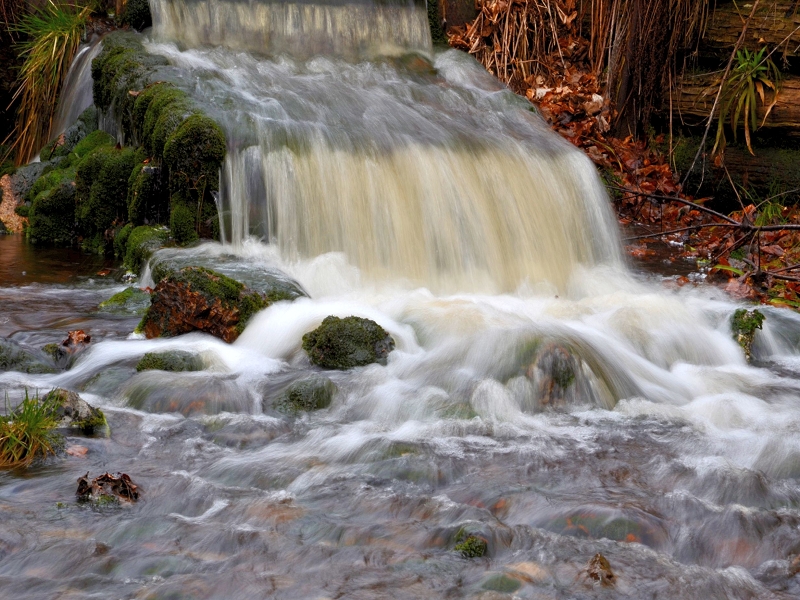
{"type": "Point", "coordinates": [52, 35]}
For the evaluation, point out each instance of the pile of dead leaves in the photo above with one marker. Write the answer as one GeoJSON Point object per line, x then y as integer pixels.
{"type": "Point", "coordinates": [107, 487]}
{"type": "Point", "coordinates": [536, 48]}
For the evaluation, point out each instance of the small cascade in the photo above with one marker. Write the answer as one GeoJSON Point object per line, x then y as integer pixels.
{"type": "Point", "coordinates": [419, 167]}
{"type": "Point", "coordinates": [76, 94]}
{"type": "Point", "coordinates": [340, 28]}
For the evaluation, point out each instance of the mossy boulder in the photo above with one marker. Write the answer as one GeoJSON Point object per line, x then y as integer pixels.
{"type": "Point", "coordinates": [14, 357]}
{"type": "Point", "coordinates": [52, 215]}
{"type": "Point", "coordinates": [137, 14]}
{"type": "Point", "coordinates": [93, 141]}
{"type": "Point", "coordinates": [131, 300]}
{"type": "Point", "coordinates": [183, 223]}
{"type": "Point", "coordinates": [347, 343]}
{"type": "Point", "coordinates": [744, 324]}
{"type": "Point", "coordinates": [310, 393]}
{"type": "Point", "coordinates": [196, 152]}
{"type": "Point", "coordinates": [142, 242]}
{"type": "Point", "coordinates": [172, 360]}
{"type": "Point", "coordinates": [198, 299]}
{"type": "Point", "coordinates": [147, 200]}
{"type": "Point", "coordinates": [102, 198]}
{"type": "Point", "coordinates": [73, 412]}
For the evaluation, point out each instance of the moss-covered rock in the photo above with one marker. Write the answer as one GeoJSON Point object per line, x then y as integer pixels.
{"type": "Point", "coordinates": [166, 110]}
{"type": "Point", "coordinates": [121, 240]}
{"type": "Point", "coordinates": [14, 357]}
{"type": "Point", "coordinates": [347, 343]}
{"type": "Point", "coordinates": [137, 14]}
{"type": "Point", "coordinates": [470, 546]}
{"type": "Point", "coordinates": [198, 299]}
{"type": "Point", "coordinates": [94, 140]}
{"type": "Point", "coordinates": [171, 360]}
{"type": "Point", "coordinates": [744, 324]}
{"type": "Point", "coordinates": [131, 300]}
{"type": "Point", "coordinates": [311, 393]}
{"type": "Point", "coordinates": [52, 215]}
{"type": "Point", "coordinates": [182, 222]}
{"type": "Point", "coordinates": [74, 412]}
{"type": "Point", "coordinates": [142, 242]}
{"type": "Point", "coordinates": [108, 200]}
{"type": "Point", "coordinates": [147, 200]}
{"type": "Point", "coordinates": [196, 152]}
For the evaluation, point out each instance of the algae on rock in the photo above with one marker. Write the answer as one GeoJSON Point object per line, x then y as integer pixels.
{"type": "Point", "coordinates": [744, 324]}
{"type": "Point", "coordinates": [347, 343]}
{"type": "Point", "coordinates": [170, 360]}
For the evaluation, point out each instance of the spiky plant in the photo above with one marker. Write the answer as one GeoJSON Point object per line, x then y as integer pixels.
{"type": "Point", "coordinates": [26, 433]}
{"type": "Point", "coordinates": [752, 75]}
{"type": "Point", "coordinates": [52, 35]}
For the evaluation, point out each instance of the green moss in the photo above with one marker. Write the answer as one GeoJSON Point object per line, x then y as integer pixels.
{"type": "Point", "coordinates": [143, 241]}
{"type": "Point", "coordinates": [94, 140]}
{"type": "Point", "coordinates": [49, 181]}
{"type": "Point", "coordinates": [54, 351]}
{"type": "Point", "coordinates": [182, 223]}
{"type": "Point", "coordinates": [163, 269]}
{"type": "Point", "coordinates": [15, 358]}
{"type": "Point", "coordinates": [471, 546]}
{"type": "Point", "coordinates": [52, 215]}
{"type": "Point", "coordinates": [137, 14]}
{"type": "Point", "coordinates": [121, 240]}
{"type": "Point", "coordinates": [146, 199]}
{"type": "Point", "coordinates": [87, 170]}
{"type": "Point", "coordinates": [173, 360]}
{"type": "Point", "coordinates": [311, 393]}
{"type": "Point", "coordinates": [23, 210]}
{"type": "Point", "coordinates": [210, 283]}
{"type": "Point", "coordinates": [744, 324]}
{"type": "Point", "coordinates": [347, 343]}
{"type": "Point", "coordinates": [167, 106]}
{"type": "Point", "coordinates": [196, 151]}
{"type": "Point", "coordinates": [130, 300]}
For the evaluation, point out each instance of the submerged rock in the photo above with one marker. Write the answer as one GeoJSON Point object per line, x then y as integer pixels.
{"type": "Point", "coordinates": [555, 372]}
{"type": "Point", "coordinates": [13, 357]}
{"type": "Point", "coordinates": [311, 393]}
{"type": "Point", "coordinates": [74, 412]}
{"type": "Point", "coordinates": [130, 300]}
{"type": "Point", "coordinates": [198, 299]}
{"type": "Point", "coordinates": [171, 360]}
{"type": "Point", "coordinates": [141, 243]}
{"type": "Point", "coordinates": [347, 343]}
{"type": "Point", "coordinates": [599, 569]}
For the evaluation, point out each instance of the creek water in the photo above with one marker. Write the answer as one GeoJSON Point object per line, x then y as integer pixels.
{"type": "Point", "coordinates": [412, 190]}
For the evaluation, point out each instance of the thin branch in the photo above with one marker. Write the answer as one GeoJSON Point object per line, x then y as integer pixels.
{"type": "Point", "coordinates": [672, 231]}
{"type": "Point", "coordinates": [679, 201]}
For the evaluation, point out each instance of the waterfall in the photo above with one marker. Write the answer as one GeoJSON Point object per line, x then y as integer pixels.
{"type": "Point", "coordinates": [76, 94]}
{"type": "Point", "coordinates": [418, 165]}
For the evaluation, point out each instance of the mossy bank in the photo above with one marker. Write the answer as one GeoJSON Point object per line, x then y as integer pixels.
{"type": "Point", "coordinates": [162, 168]}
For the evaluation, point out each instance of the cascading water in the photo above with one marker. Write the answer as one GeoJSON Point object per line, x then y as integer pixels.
{"type": "Point", "coordinates": [541, 396]}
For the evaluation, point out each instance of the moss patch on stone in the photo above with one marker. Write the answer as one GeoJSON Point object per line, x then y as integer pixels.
{"type": "Point", "coordinates": [130, 300]}
{"type": "Point", "coordinates": [347, 343]}
{"type": "Point", "coordinates": [470, 546]}
{"type": "Point", "coordinates": [52, 215]}
{"type": "Point", "coordinates": [744, 324]}
{"type": "Point", "coordinates": [137, 14]}
{"type": "Point", "coordinates": [142, 242]}
{"type": "Point", "coordinates": [172, 360]}
{"type": "Point", "coordinates": [311, 393]}
{"type": "Point", "coordinates": [14, 357]}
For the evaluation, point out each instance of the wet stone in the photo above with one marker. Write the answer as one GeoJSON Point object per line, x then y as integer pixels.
{"type": "Point", "coordinates": [131, 300]}
{"type": "Point", "coordinates": [311, 393]}
{"type": "Point", "coordinates": [74, 412]}
{"type": "Point", "coordinates": [171, 360]}
{"type": "Point", "coordinates": [13, 357]}
{"type": "Point", "coordinates": [347, 343]}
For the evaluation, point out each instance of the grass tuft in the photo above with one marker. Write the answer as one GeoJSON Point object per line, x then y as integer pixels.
{"type": "Point", "coordinates": [53, 34]}
{"type": "Point", "coordinates": [26, 433]}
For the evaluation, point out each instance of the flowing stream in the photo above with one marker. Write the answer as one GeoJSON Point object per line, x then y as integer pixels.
{"type": "Point", "coordinates": [403, 184]}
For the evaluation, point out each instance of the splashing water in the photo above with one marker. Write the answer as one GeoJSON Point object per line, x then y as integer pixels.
{"type": "Point", "coordinates": [541, 396]}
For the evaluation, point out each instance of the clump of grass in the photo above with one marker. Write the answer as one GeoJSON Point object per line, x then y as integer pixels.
{"type": "Point", "coordinates": [26, 433]}
{"type": "Point", "coordinates": [53, 34]}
